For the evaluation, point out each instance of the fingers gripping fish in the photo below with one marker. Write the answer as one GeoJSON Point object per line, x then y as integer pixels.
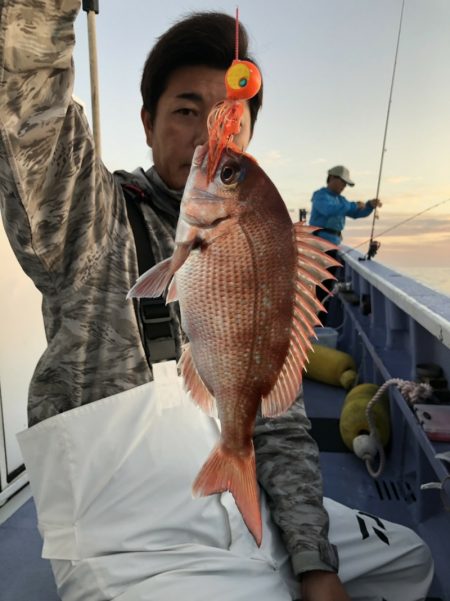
{"type": "Point", "coordinates": [245, 278]}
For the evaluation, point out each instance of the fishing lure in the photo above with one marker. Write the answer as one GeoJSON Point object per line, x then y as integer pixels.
{"type": "Point", "coordinates": [242, 82]}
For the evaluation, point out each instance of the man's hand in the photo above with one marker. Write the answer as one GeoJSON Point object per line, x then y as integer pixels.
{"type": "Point", "coordinates": [322, 586]}
{"type": "Point", "coordinates": [375, 202]}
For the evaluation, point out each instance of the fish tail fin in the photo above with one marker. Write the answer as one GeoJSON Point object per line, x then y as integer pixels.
{"type": "Point", "coordinates": [224, 470]}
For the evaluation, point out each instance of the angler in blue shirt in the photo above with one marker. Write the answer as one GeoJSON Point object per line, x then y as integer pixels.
{"type": "Point", "coordinates": [330, 208]}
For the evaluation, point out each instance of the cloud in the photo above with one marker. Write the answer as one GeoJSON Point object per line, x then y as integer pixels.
{"type": "Point", "coordinates": [403, 179]}
{"type": "Point", "coordinates": [424, 241]}
{"type": "Point", "coordinates": [317, 161]}
{"type": "Point", "coordinates": [273, 157]}
{"type": "Point", "coordinates": [402, 225]}
{"type": "Point", "coordinates": [361, 173]}
{"type": "Point", "coordinates": [399, 179]}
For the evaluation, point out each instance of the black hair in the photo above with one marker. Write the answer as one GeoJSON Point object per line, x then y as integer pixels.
{"type": "Point", "coordinates": [335, 177]}
{"type": "Point", "coordinates": [201, 38]}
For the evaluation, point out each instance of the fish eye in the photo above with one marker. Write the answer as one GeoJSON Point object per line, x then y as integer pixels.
{"type": "Point", "coordinates": [230, 173]}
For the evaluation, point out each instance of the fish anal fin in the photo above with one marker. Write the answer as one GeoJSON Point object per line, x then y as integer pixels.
{"type": "Point", "coordinates": [200, 394]}
{"type": "Point", "coordinates": [226, 471]}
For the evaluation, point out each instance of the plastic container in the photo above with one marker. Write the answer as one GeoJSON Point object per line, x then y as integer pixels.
{"type": "Point", "coordinates": [326, 336]}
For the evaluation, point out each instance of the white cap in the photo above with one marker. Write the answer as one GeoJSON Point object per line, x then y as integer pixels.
{"type": "Point", "coordinates": [343, 173]}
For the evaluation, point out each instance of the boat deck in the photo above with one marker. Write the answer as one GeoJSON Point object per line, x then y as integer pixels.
{"type": "Point", "coordinates": [24, 576]}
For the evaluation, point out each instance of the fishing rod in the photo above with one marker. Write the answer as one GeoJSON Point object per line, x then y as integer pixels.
{"type": "Point", "coordinates": [92, 9]}
{"type": "Point", "coordinates": [395, 226]}
{"type": "Point", "coordinates": [373, 244]}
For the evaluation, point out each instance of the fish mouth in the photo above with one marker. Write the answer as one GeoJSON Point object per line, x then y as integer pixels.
{"type": "Point", "coordinates": [196, 222]}
{"type": "Point", "coordinates": [218, 221]}
{"type": "Point", "coordinates": [194, 212]}
{"type": "Point", "coordinates": [199, 195]}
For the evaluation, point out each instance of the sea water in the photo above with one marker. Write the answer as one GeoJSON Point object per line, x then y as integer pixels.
{"type": "Point", "coordinates": [437, 278]}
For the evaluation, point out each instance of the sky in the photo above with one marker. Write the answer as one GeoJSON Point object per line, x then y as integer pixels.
{"type": "Point", "coordinates": [327, 68]}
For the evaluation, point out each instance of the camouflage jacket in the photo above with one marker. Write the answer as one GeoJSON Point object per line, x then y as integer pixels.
{"type": "Point", "coordinates": [66, 219]}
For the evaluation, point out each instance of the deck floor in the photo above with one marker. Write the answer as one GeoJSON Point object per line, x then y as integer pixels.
{"type": "Point", "coordinates": [24, 576]}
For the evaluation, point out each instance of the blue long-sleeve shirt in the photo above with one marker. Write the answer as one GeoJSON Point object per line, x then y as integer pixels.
{"type": "Point", "coordinates": [329, 211]}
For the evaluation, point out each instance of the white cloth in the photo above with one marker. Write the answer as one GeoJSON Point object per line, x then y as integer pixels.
{"type": "Point", "coordinates": [112, 486]}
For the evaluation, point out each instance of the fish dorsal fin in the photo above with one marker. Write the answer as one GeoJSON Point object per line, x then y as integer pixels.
{"type": "Point", "coordinates": [195, 385]}
{"type": "Point", "coordinates": [283, 394]}
{"type": "Point", "coordinates": [311, 271]}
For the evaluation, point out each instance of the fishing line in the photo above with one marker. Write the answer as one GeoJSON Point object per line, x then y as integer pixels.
{"type": "Point", "coordinates": [395, 226]}
{"type": "Point", "coordinates": [373, 246]}
{"type": "Point", "coordinates": [236, 38]}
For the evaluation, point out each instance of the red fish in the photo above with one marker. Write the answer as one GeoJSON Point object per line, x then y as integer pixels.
{"type": "Point", "coordinates": [245, 277]}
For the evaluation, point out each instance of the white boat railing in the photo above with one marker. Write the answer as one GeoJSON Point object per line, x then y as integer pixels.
{"type": "Point", "coordinates": [427, 307]}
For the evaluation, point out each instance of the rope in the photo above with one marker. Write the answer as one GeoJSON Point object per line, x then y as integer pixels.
{"type": "Point", "coordinates": [412, 392]}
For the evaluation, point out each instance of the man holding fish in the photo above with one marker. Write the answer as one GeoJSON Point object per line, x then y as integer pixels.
{"type": "Point", "coordinates": [70, 226]}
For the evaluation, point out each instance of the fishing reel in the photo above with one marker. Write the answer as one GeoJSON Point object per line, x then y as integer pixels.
{"type": "Point", "coordinates": [373, 249]}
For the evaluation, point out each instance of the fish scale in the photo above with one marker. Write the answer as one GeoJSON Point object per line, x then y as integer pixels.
{"type": "Point", "coordinates": [235, 290]}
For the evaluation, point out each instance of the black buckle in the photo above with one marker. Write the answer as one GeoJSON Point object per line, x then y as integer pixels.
{"type": "Point", "coordinates": [159, 335]}
{"type": "Point", "coordinates": [154, 310]}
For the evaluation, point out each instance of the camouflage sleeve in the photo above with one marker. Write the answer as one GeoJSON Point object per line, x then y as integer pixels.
{"type": "Point", "coordinates": [53, 190]}
{"type": "Point", "coordinates": [287, 461]}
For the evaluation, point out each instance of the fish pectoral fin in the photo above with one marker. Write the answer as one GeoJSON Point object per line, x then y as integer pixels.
{"type": "Point", "coordinates": [224, 471]}
{"type": "Point", "coordinates": [195, 385]}
{"type": "Point", "coordinates": [181, 253]}
{"type": "Point", "coordinates": [153, 282]}
{"type": "Point", "coordinates": [172, 294]}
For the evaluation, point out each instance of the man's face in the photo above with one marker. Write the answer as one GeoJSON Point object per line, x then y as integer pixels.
{"type": "Point", "coordinates": [180, 122]}
{"type": "Point", "coordinates": [336, 184]}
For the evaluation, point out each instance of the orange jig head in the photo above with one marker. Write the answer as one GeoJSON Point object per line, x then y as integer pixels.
{"type": "Point", "coordinates": [242, 82]}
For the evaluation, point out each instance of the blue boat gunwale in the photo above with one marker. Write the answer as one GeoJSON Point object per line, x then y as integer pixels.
{"type": "Point", "coordinates": [384, 311]}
